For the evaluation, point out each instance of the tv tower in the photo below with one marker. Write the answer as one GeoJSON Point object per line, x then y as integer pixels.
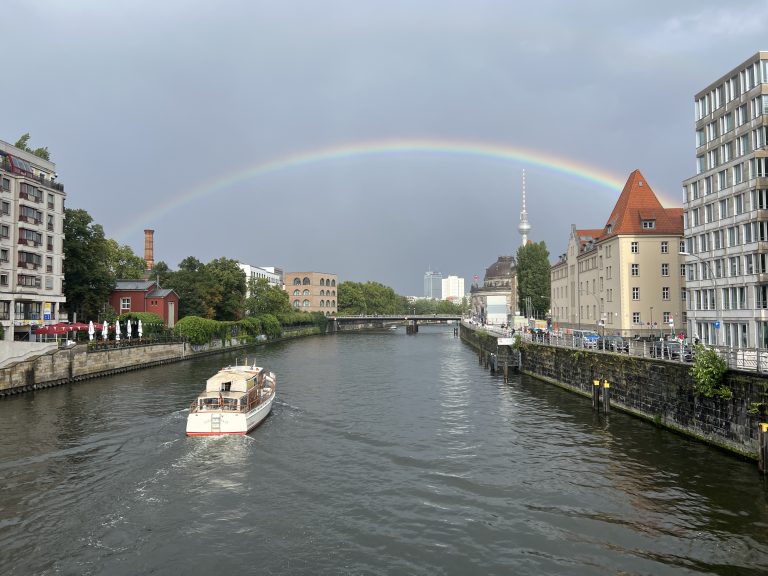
{"type": "Point", "coordinates": [524, 228]}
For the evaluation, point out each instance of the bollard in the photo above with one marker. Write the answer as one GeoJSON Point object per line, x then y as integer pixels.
{"type": "Point", "coordinates": [606, 397]}
{"type": "Point", "coordinates": [506, 372]}
{"type": "Point", "coordinates": [596, 395]}
{"type": "Point", "coordinates": [762, 460]}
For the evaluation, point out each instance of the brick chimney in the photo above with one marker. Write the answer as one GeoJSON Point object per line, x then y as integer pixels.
{"type": "Point", "coordinates": [149, 250]}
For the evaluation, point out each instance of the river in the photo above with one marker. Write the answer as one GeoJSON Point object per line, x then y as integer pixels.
{"type": "Point", "coordinates": [384, 454]}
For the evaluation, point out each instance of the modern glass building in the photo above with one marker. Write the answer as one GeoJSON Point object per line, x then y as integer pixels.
{"type": "Point", "coordinates": [433, 284]}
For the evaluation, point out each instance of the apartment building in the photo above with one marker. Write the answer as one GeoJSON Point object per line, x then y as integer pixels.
{"type": "Point", "coordinates": [726, 210]}
{"type": "Point", "coordinates": [452, 288]}
{"type": "Point", "coordinates": [627, 277]}
{"type": "Point", "coordinates": [31, 243]}
{"type": "Point", "coordinates": [312, 291]}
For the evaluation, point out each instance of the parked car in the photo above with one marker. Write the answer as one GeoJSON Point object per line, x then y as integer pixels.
{"type": "Point", "coordinates": [613, 343]}
{"type": "Point", "coordinates": [671, 350]}
{"type": "Point", "coordinates": [585, 338]}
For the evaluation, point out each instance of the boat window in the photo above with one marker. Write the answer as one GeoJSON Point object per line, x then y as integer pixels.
{"type": "Point", "coordinates": [226, 386]}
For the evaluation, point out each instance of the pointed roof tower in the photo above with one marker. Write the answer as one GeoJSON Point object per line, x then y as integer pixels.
{"type": "Point", "coordinates": [524, 227]}
{"type": "Point", "coordinates": [639, 211]}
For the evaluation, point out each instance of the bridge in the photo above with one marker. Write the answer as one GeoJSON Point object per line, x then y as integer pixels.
{"type": "Point", "coordinates": [373, 321]}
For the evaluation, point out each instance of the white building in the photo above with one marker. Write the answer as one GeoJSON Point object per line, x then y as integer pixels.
{"type": "Point", "coordinates": [725, 204]}
{"type": "Point", "coordinates": [31, 243]}
{"type": "Point", "coordinates": [273, 275]}
{"type": "Point", "coordinates": [453, 288]}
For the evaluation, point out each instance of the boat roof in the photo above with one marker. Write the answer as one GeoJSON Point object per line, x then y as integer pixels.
{"type": "Point", "coordinates": [240, 378]}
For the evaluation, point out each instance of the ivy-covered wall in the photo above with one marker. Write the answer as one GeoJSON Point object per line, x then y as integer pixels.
{"type": "Point", "coordinates": [661, 391]}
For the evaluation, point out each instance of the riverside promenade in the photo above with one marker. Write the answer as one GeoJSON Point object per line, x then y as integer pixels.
{"type": "Point", "coordinates": [82, 362]}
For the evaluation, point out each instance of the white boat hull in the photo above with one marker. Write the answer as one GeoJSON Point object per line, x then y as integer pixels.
{"type": "Point", "coordinates": [223, 422]}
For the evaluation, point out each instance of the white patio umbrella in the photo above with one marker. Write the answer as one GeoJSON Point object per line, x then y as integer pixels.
{"type": "Point", "coordinates": [91, 330]}
{"type": "Point", "coordinates": [105, 330]}
{"type": "Point", "coordinates": [128, 328]}
{"type": "Point", "coordinates": [117, 330]}
{"type": "Point", "coordinates": [139, 328]}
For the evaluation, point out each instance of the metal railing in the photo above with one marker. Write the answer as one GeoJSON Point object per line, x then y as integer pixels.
{"type": "Point", "coordinates": [746, 359]}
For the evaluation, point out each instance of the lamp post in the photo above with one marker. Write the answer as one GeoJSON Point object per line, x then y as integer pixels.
{"type": "Point", "coordinates": [714, 287]}
{"type": "Point", "coordinates": [651, 322]}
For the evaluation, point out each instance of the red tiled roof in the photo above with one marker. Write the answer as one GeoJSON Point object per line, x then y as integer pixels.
{"type": "Point", "coordinates": [638, 203]}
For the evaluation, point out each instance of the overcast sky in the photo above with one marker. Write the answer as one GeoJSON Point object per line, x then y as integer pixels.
{"type": "Point", "coordinates": [219, 124]}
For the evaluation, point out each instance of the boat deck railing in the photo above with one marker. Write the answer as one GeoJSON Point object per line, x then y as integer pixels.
{"type": "Point", "coordinates": [229, 404]}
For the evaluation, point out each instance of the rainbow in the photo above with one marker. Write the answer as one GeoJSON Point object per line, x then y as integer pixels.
{"type": "Point", "coordinates": [395, 147]}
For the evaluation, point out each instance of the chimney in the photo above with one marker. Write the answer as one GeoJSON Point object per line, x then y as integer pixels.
{"type": "Point", "coordinates": [149, 249]}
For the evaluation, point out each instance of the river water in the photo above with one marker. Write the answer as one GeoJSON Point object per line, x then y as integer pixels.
{"type": "Point", "coordinates": [384, 454]}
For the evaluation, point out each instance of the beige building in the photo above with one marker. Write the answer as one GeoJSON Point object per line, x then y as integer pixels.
{"type": "Point", "coordinates": [726, 210]}
{"type": "Point", "coordinates": [31, 243]}
{"type": "Point", "coordinates": [312, 291]}
{"type": "Point", "coordinates": [626, 278]}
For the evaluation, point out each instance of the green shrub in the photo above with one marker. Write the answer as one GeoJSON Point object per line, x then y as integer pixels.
{"type": "Point", "coordinates": [708, 370]}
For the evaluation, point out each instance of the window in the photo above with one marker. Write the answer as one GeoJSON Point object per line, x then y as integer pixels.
{"type": "Point", "coordinates": [305, 303]}
{"type": "Point", "coordinates": [666, 317]}
{"type": "Point", "coordinates": [738, 201]}
{"type": "Point", "coordinates": [6, 185]}
{"type": "Point", "coordinates": [306, 292]}
{"type": "Point", "coordinates": [51, 202]}
{"type": "Point", "coordinates": [305, 281]}
{"type": "Point", "coordinates": [4, 231]}
{"type": "Point", "coordinates": [322, 281]}
{"type": "Point", "coordinates": [665, 247]}
{"type": "Point", "coordinates": [296, 303]}
{"type": "Point", "coordinates": [733, 236]}
{"type": "Point", "coordinates": [665, 292]}
{"type": "Point", "coordinates": [649, 224]}
{"type": "Point", "coordinates": [49, 283]}
{"type": "Point", "coordinates": [29, 214]}
{"type": "Point", "coordinates": [297, 281]}
{"type": "Point", "coordinates": [5, 208]}
{"type": "Point", "coordinates": [297, 292]}
{"type": "Point", "coordinates": [635, 293]}
{"type": "Point", "coordinates": [635, 269]}
{"type": "Point", "coordinates": [635, 317]}
{"type": "Point", "coordinates": [665, 269]}
{"type": "Point", "coordinates": [634, 247]}
{"type": "Point", "coordinates": [125, 304]}
{"type": "Point", "coordinates": [3, 279]}
{"type": "Point", "coordinates": [682, 270]}
{"type": "Point", "coordinates": [723, 208]}
{"type": "Point", "coordinates": [4, 255]}
{"type": "Point", "coordinates": [733, 265]}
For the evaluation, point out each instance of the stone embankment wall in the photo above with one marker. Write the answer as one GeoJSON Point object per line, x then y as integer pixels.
{"type": "Point", "coordinates": [77, 363]}
{"type": "Point", "coordinates": [661, 391]}
{"type": "Point", "coordinates": [60, 366]}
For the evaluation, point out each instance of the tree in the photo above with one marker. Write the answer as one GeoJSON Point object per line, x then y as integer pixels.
{"type": "Point", "coordinates": [122, 261]}
{"type": "Point", "coordinates": [21, 144]}
{"type": "Point", "coordinates": [533, 278]}
{"type": "Point", "coordinates": [230, 287]}
{"type": "Point", "coordinates": [193, 288]}
{"type": "Point", "coordinates": [351, 300]}
{"type": "Point", "coordinates": [265, 298]}
{"type": "Point", "coordinates": [88, 279]}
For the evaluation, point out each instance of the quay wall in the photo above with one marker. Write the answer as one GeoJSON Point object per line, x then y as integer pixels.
{"type": "Point", "coordinates": [65, 365]}
{"type": "Point", "coordinates": [661, 391]}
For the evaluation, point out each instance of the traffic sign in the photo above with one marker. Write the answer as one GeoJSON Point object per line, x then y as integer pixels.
{"type": "Point", "coordinates": [717, 324]}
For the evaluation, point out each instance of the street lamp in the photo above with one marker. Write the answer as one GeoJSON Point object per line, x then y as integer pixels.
{"type": "Point", "coordinates": [714, 287]}
{"type": "Point", "coordinates": [651, 322]}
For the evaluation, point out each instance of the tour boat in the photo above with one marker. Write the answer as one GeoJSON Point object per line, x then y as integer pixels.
{"type": "Point", "coordinates": [235, 400]}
